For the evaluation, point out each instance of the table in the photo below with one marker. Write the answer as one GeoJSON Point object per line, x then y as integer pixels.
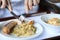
{"type": "Point", "coordinates": [42, 8]}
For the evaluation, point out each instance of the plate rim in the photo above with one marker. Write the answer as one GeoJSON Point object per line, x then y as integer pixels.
{"type": "Point", "coordinates": [8, 36]}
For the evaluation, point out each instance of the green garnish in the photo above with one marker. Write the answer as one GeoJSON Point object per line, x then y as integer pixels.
{"type": "Point", "coordinates": [58, 21]}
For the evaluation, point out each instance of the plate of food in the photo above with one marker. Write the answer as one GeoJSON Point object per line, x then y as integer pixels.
{"type": "Point", "coordinates": [25, 30]}
{"type": "Point", "coordinates": [52, 21]}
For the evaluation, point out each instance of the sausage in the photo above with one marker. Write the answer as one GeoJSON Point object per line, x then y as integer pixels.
{"type": "Point", "coordinates": [7, 28]}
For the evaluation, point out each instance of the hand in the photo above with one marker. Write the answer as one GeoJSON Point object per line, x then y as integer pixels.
{"type": "Point", "coordinates": [29, 4]}
{"type": "Point", "coordinates": [6, 3]}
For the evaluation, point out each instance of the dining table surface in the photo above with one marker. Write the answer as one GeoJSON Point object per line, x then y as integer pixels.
{"type": "Point", "coordinates": [41, 9]}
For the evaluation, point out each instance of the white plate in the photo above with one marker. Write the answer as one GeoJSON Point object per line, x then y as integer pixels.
{"type": "Point", "coordinates": [52, 28]}
{"type": "Point", "coordinates": [38, 31]}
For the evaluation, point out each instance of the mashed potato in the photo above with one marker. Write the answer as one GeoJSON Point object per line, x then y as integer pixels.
{"type": "Point", "coordinates": [54, 21]}
{"type": "Point", "coordinates": [24, 29]}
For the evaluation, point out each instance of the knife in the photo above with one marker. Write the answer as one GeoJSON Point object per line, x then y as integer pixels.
{"type": "Point", "coordinates": [21, 18]}
{"type": "Point", "coordinates": [14, 15]}
{"type": "Point", "coordinates": [9, 3]}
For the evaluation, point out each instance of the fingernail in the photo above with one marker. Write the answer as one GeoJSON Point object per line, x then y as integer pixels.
{"type": "Point", "coordinates": [31, 8]}
{"type": "Point", "coordinates": [1, 7]}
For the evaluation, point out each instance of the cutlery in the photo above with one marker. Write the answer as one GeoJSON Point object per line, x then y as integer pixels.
{"type": "Point", "coordinates": [21, 18]}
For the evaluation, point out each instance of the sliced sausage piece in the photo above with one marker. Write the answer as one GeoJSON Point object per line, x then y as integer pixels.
{"type": "Point", "coordinates": [7, 28]}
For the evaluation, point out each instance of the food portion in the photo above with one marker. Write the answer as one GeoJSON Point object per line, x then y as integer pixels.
{"type": "Point", "coordinates": [25, 29]}
{"type": "Point", "coordinates": [54, 21]}
{"type": "Point", "coordinates": [20, 29]}
{"type": "Point", "coordinates": [7, 28]}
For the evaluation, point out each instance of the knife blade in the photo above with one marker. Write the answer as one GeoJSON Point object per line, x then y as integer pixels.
{"type": "Point", "coordinates": [14, 15]}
